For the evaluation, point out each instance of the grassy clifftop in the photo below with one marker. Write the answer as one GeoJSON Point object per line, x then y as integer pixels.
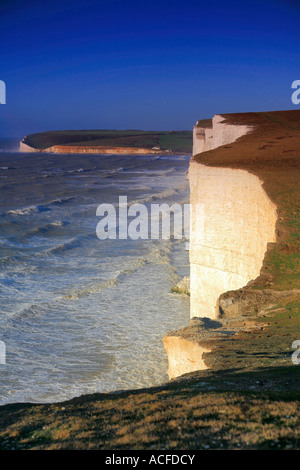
{"type": "Point", "coordinates": [175, 141]}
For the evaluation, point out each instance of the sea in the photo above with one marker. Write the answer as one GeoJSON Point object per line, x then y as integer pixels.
{"type": "Point", "coordinates": [78, 314]}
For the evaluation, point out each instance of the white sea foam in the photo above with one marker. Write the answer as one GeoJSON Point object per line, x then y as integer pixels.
{"type": "Point", "coordinates": [25, 211]}
{"type": "Point", "coordinates": [41, 207]}
{"type": "Point", "coordinates": [84, 315]}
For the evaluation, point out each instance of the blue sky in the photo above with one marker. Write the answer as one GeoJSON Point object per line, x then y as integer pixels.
{"type": "Point", "coordinates": [130, 64]}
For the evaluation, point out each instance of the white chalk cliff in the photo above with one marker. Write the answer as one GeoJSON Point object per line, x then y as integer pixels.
{"type": "Point", "coordinates": [232, 221]}
{"type": "Point", "coordinates": [63, 149]}
{"type": "Point", "coordinates": [26, 148]}
{"type": "Point", "coordinates": [184, 355]}
{"type": "Point", "coordinates": [221, 133]}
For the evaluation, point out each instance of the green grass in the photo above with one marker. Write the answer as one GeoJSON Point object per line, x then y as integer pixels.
{"type": "Point", "coordinates": [176, 141]}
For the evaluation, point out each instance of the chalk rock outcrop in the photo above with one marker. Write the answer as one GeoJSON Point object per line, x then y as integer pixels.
{"type": "Point", "coordinates": [184, 355]}
{"type": "Point", "coordinates": [26, 148]}
{"type": "Point", "coordinates": [221, 133]}
{"type": "Point", "coordinates": [182, 287]}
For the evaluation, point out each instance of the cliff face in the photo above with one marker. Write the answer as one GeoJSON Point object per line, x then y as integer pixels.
{"type": "Point", "coordinates": [100, 150]}
{"type": "Point", "coordinates": [26, 148]}
{"type": "Point", "coordinates": [238, 221]}
{"type": "Point", "coordinates": [89, 149]}
{"type": "Point", "coordinates": [229, 237]}
{"type": "Point", "coordinates": [184, 355]}
{"type": "Point", "coordinates": [232, 222]}
{"type": "Point", "coordinates": [221, 133]}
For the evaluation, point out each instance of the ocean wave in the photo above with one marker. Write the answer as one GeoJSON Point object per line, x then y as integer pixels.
{"type": "Point", "coordinates": [157, 254]}
{"type": "Point", "coordinates": [59, 201]}
{"type": "Point", "coordinates": [10, 243]}
{"type": "Point", "coordinates": [69, 245]}
{"type": "Point", "coordinates": [27, 312]}
{"type": "Point", "coordinates": [79, 170]}
{"type": "Point", "coordinates": [78, 293]}
{"type": "Point", "coordinates": [160, 252]}
{"type": "Point", "coordinates": [164, 194]}
{"type": "Point", "coordinates": [116, 170]}
{"type": "Point", "coordinates": [25, 210]}
{"type": "Point", "coordinates": [137, 187]}
{"type": "Point", "coordinates": [44, 228]}
{"type": "Point", "coordinates": [8, 260]}
{"type": "Point", "coordinates": [156, 196]}
{"type": "Point", "coordinates": [34, 209]}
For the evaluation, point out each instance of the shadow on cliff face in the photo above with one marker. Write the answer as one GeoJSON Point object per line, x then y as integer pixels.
{"type": "Point", "coordinates": [207, 323]}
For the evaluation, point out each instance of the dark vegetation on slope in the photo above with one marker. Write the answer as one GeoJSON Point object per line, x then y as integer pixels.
{"type": "Point", "coordinates": [206, 411]}
{"type": "Point", "coordinates": [176, 141]}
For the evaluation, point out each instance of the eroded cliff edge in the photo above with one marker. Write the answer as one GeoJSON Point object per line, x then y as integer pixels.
{"type": "Point", "coordinates": [63, 149]}
{"type": "Point", "coordinates": [239, 171]}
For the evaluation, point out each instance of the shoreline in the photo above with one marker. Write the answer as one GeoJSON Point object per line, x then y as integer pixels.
{"type": "Point", "coordinates": [98, 150]}
{"type": "Point", "coordinates": [103, 141]}
{"type": "Point", "coordinates": [65, 149]}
